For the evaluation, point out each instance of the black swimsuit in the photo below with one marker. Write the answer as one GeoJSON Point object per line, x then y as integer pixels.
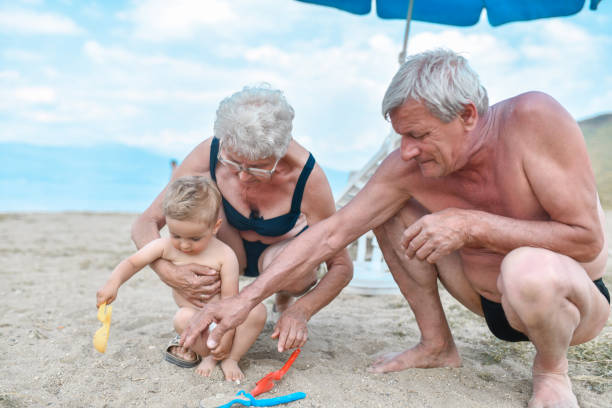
{"type": "Point", "coordinates": [499, 325]}
{"type": "Point", "coordinates": [273, 227]}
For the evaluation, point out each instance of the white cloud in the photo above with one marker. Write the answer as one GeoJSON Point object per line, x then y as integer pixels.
{"type": "Point", "coordinates": [27, 22]}
{"type": "Point", "coordinates": [167, 141]}
{"type": "Point", "coordinates": [161, 20]}
{"type": "Point", "coordinates": [44, 117]}
{"type": "Point", "coordinates": [134, 62]}
{"type": "Point", "coordinates": [9, 75]}
{"type": "Point", "coordinates": [21, 55]}
{"type": "Point", "coordinates": [565, 32]}
{"type": "Point", "coordinates": [474, 46]}
{"type": "Point", "coordinates": [41, 94]}
{"type": "Point", "coordinates": [268, 55]}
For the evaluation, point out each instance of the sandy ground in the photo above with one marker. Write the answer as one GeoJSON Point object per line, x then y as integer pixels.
{"type": "Point", "coordinates": [52, 265]}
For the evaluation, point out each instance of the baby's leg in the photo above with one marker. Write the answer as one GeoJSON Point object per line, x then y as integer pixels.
{"type": "Point", "coordinates": [245, 336]}
{"type": "Point", "coordinates": [181, 321]}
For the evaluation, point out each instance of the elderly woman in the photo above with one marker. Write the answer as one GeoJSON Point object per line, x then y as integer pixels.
{"type": "Point", "coordinates": [272, 190]}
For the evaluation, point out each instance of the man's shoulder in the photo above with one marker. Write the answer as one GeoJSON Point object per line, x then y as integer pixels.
{"type": "Point", "coordinates": [534, 117]}
{"type": "Point", "coordinates": [398, 177]}
{"type": "Point", "coordinates": [536, 126]}
{"type": "Point", "coordinates": [530, 106]}
{"type": "Point", "coordinates": [393, 166]}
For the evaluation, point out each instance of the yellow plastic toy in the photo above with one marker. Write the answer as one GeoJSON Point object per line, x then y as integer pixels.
{"type": "Point", "coordinates": [101, 337]}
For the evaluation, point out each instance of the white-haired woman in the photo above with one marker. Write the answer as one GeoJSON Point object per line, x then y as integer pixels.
{"type": "Point", "coordinates": [272, 190]}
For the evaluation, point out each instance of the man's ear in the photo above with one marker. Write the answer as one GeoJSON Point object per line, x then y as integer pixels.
{"type": "Point", "coordinates": [217, 226]}
{"type": "Point", "coordinates": [469, 116]}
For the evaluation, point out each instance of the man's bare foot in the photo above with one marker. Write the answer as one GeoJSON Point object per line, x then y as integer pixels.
{"type": "Point", "coordinates": [183, 353]}
{"type": "Point", "coordinates": [417, 357]}
{"type": "Point", "coordinates": [206, 367]}
{"type": "Point", "coordinates": [552, 390]}
{"type": "Point", "coordinates": [231, 370]}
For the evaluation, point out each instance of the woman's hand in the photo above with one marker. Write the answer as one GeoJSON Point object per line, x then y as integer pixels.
{"type": "Point", "coordinates": [196, 283]}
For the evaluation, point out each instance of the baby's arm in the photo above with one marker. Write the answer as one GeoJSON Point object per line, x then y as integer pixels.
{"type": "Point", "coordinates": [127, 268]}
{"type": "Point", "coordinates": [229, 287]}
{"type": "Point", "coordinates": [229, 272]}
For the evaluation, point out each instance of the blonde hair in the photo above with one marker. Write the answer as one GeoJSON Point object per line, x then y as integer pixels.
{"type": "Point", "coordinates": [193, 198]}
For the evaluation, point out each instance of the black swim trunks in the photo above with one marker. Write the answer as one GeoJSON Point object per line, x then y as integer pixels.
{"type": "Point", "coordinates": [499, 325]}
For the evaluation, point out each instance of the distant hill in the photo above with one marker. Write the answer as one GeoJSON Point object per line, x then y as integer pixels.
{"type": "Point", "coordinates": [598, 136]}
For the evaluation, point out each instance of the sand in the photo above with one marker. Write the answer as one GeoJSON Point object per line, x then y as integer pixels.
{"type": "Point", "coordinates": [52, 265]}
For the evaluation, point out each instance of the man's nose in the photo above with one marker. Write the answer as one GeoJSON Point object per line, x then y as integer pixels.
{"type": "Point", "coordinates": [409, 148]}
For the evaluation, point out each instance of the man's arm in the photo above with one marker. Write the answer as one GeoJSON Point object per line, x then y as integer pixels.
{"type": "Point", "coordinates": [382, 197]}
{"type": "Point", "coordinates": [192, 281]}
{"type": "Point", "coordinates": [291, 330]}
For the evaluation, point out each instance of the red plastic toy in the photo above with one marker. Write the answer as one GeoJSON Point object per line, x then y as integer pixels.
{"type": "Point", "coordinates": [267, 382]}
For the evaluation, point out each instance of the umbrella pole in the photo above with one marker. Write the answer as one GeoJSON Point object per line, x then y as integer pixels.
{"type": "Point", "coordinates": [402, 54]}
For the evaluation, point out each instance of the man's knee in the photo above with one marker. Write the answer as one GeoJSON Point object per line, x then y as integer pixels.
{"type": "Point", "coordinates": [390, 232]}
{"type": "Point", "coordinates": [530, 274]}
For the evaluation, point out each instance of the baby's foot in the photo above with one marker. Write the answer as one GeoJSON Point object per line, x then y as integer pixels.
{"type": "Point", "coordinates": [206, 367]}
{"type": "Point", "coordinates": [183, 353]}
{"type": "Point", "coordinates": [231, 370]}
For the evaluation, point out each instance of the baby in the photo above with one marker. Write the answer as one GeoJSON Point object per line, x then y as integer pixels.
{"type": "Point", "coordinates": [191, 207]}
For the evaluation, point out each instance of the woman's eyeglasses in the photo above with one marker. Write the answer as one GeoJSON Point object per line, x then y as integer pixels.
{"type": "Point", "coordinates": [254, 171]}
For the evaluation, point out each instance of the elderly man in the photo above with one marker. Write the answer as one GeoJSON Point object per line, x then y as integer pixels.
{"type": "Point", "coordinates": [498, 203]}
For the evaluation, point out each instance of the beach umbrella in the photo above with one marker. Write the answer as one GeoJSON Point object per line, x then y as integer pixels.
{"type": "Point", "coordinates": [459, 12]}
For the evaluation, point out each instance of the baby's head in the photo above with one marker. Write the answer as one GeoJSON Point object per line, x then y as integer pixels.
{"type": "Point", "coordinates": [191, 207]}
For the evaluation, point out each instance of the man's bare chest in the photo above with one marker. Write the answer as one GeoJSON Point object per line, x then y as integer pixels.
{"type": "Point", "coordinates": [502, 194]}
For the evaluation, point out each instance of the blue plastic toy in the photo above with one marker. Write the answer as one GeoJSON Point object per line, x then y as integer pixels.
{"type": "Point", "coordinates": [264, 402]}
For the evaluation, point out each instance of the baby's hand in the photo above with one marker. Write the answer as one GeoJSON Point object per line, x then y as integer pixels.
{"type": "Point", "coordinates": [106, 294]}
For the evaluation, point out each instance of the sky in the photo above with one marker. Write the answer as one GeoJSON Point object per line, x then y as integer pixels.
{"type": "Point", "coordinates": [151, 73]}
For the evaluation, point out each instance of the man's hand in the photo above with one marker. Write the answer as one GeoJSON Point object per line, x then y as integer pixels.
{"type": "Point", "coordinates": [224, 347]}
{"type": "Point", "coordinates": [291, 329]}
{"type": "Point", "coordinates": [227, 313]}
{"type": "Point", "coordinates": [438, 234]}
{"type": "Point", "coordinates": [196, 283]}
